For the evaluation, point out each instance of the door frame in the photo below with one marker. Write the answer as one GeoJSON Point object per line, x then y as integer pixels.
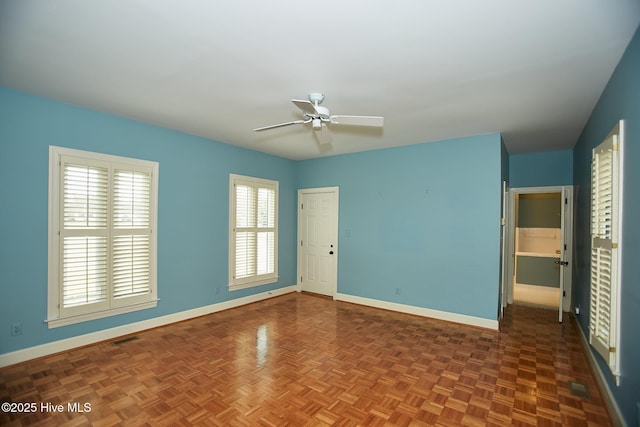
{"type": "Point", "coordinates": [336, 194]}
{"type": "Point", "coordinates": [565, 191]}
{"type": "Point", "coordinates": [504, 250]}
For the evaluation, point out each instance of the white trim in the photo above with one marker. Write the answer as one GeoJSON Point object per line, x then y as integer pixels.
{"type": "Point", "coordinates": [605, 390]}
{"type": "Point", "coordinates": [254, 283]}
{"type": "Point", "coordinates": [420, 311]}
{"type": "Point", "coordinates": [504, 247]}
{"type": "Point", "coordinates": [64, 321]}
{"type": "Point", "coordinates": [568, 255]}
{"type": "Point", "coordinates": [108, 334]}
{"type": "Point", "coordinates": [621, 192]}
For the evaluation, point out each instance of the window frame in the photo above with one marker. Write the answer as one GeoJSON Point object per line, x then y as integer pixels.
{"type": "Point", "coordinates": [57, 315]}
{"type": "Point", "coordinates": [606, 244]}
{"type": "Point", "coordinates": [256, 279]}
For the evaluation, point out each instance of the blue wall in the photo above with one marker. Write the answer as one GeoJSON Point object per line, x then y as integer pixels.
{"type": "Point", "coordinates": [620, 100]}
{"type": "Point", "coordinates": [547, 168]}
{"type": "Point", "coordinates": [192, 218]}
{"type": "Point", "coordinates": [411, 218]}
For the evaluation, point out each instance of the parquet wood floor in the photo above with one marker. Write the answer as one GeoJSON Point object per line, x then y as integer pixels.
{"type": "Point", "coordinates": [300, 359]}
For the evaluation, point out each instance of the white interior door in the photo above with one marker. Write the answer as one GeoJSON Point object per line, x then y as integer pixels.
{"type": "Point", "coordinates": [318, 240]}
{"type": "Point", "coordinates": [562, 262]}
{"type": "Point", "coordinates": [566, 250]}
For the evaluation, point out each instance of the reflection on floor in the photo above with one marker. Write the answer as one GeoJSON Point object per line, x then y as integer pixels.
{"type": "Point", "coordinates": [303, 360]}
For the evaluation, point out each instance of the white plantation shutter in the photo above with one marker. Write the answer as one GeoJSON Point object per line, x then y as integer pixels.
{"type": "Point", "coordinates": [84, 233]}
{"type": "Point", "coordinates": [245, 255]}
{"type": "Point", "coordinates": [245, 231]}
{"type": "Point", "coordinates": [85, 195]}
{"type": "Point", "coordinates": [131, 223]}
{"type": "Point", "coordinates": [603, 320]}
{"type": "Point", "coordinates": [601, 299]}
{"type": "Point", "coordinates": [265, 239]}
{"type": "Point", "coordinates": [102, 213]}
{"type": "Point", "coordinates": [130, 265]}
{"type": "Point", "coordinates": [84, 270]}
{"type": "Point", "coordinates": [253, 231]}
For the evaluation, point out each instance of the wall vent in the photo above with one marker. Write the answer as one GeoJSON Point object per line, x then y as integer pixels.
{"type": "Point", "coordinates": [124, 340]}
{"type": "Point", "coordinates": [579, 389]}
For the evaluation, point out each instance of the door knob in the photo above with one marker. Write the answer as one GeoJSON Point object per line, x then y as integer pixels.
{"type": "Point", "coordinates": [330, 252]}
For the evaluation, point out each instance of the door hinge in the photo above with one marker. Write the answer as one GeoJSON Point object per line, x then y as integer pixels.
{"type": "Point", "coordinates": [300, 279]}
{"type": "Point", "coordinates": [301, 206]}
{"type": "Point", "coordinates": [565, 247]}
{"type": "Point", "coordinates": [564, 293]}
{"type": "Point", "coordinates": [612, 349]}
{"type": "Point", "coordinates": [301, 242]}
{"type": "Point", "coordinates": [566, 201]}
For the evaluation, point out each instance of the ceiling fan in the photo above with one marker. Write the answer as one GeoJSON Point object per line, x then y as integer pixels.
{"type": "Point", "coordinates": [319, 117]}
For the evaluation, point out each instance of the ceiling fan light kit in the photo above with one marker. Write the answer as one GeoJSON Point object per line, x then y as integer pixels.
{"type": "Point", "coordinates": [319, 116]}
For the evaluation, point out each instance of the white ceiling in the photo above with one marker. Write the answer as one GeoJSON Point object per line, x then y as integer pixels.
{"type": "Point", "coordinates": [435, 69]}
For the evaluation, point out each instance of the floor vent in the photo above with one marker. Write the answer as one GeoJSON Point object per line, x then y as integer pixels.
{"type": "Point", "coordinates": [579, 389]}
{"type": "Point", "coordinates": [124, 340]}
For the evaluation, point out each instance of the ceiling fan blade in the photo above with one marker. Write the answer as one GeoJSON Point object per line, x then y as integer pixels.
{"type": "Point", "coordinates": [375, 121]}
{"type": "Point", "coordinates": [305, 106]}
{"type": "Point", "coordinates": [279, 125]}
{"type": "Point", "coordinates": [323, 135]}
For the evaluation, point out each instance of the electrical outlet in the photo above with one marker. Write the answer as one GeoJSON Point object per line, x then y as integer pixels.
{"type": "Point", "coordinates": [16, 329]}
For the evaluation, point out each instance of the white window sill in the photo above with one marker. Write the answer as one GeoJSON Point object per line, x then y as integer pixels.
{"type": "Point", "coordinates": [236, 287]}
{"type": "Point", "coordinates": [64, 321]}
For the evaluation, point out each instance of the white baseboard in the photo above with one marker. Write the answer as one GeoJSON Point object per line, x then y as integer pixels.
{"type": "Point", "coordinates": [107, 334]}
{"type": "Point", "coordinates": [420, 311]}
{"type": "Point", "coordinates": [605, 390]}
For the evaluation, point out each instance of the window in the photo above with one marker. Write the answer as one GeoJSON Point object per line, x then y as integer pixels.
{"type": "Point", "coordinates": [253, 231]}
{"type": "Point", "coordinates": [605, 249]}
{"type": "Point", "coordinates": [102, 235]}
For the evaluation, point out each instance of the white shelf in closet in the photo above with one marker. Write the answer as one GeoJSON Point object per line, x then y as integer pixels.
{"type": "Point", "coordinates": [538, 254]}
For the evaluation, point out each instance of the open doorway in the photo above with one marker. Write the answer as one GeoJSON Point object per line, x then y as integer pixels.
{"type": "Point", "coordinates": [538, 248]}
{"type": "Point", "coordinates": [538, 240]}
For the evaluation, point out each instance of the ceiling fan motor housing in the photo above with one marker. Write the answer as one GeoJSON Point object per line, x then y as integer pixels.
{"type": "Point", "coordinates": [323, 112]}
